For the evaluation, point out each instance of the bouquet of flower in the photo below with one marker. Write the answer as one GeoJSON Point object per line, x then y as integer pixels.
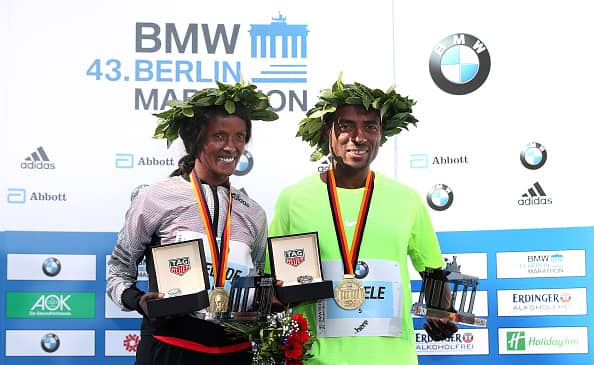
{"type": "Point", "coordinates": [283, 338]}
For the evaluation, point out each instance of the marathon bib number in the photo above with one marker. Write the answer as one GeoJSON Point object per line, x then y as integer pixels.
{"type": "Point", "coordinates": [380, 314]}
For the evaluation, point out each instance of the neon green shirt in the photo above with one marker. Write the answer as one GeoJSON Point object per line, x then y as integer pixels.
{"type": "Point", "coordinates": [398, 225]}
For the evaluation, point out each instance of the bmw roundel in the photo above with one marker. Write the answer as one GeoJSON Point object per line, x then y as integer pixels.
{"type": "Point", "coordinates": [459, 64]}
{"type": "Point", "coordinates": [51, 266]}
{"type": "Point", "coordinates": [440, 197]}
{"type": "Point", "coordinates": [245, 164]}
{"type": "Point", "coordinates": [361, 270]}
{"type": "Point", "coordinates": [533, 156]}
{"type": "Point", "coordinates": [50, 342]}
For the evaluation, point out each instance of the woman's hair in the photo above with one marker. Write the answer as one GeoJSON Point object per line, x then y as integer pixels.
{"type": "Point", "coordinates": [193, 133]}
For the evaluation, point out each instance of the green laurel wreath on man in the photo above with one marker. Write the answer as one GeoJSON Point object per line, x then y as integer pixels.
{"type": "Point", "coordinates": [394, 109]}
{"type": "Point", "coordinates": [227, 96]}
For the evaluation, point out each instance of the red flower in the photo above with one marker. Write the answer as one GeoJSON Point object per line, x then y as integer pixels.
{"type": "Point", "coordinates": [302, 333]}
{"type": "Point", "coordinates": [293, 349]}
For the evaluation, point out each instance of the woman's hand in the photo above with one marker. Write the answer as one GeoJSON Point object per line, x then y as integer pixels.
{"type": "Point", "coordinates": [145, 297]}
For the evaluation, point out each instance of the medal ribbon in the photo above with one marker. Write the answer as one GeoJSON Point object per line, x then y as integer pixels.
{"type": "Point", "coordinates": [349, 257]}
{"type": "Point", "coordinates": [219, 257]}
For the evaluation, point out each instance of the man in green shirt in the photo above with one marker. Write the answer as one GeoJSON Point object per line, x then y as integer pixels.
{"type": "Point", "coordinates": [367, 225]}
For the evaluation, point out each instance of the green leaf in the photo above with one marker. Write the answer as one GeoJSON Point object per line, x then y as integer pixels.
{"type": "Point", "coordinates": [188, 112]}
{"type": "Point", "coordinates": [230, 106]}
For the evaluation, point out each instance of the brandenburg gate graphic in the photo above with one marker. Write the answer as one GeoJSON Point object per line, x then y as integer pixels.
{"type": "Point", "coordinates": [285, 66]}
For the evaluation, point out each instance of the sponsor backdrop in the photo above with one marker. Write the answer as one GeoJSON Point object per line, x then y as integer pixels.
{"type": "Point", "coordinates": [503, 101]}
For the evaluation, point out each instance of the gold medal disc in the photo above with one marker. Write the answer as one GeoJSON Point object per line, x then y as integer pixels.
{"type": "Point", "coordinates": [349, 293]}
{"type": "Point", "coordinates": [219, 300]}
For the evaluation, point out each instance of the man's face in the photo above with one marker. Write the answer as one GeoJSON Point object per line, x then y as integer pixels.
{"type": "Point", "coordinates": [223, 145]}
{"type": "Point", "coordinates": [355, 137]}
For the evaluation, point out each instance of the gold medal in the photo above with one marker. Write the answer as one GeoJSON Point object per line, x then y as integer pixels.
{"type": "Point", "coordinates": [219, 300]}
{"type": "Point", "coordinates": [349, 293]}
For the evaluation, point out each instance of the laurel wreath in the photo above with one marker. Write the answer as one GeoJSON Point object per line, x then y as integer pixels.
{"type": "Point", "coordinates": [226, 96]}
{"type": "Point", "coordinates": [395, 112]}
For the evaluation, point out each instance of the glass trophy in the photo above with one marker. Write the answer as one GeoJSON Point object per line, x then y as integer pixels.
{"type": "Point", "coordinates": [181, 274]}
{"type": "Point", "coordinates": [463, 292]}
{"type": "Point", "coordinates": [295, 259]}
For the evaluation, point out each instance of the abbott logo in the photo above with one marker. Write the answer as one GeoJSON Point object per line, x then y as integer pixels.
{"type": "Point", "coordinates": [38, 160]}
{"type": "Point", "coordinates": [516, 341]}
{"type": "Point", "coordinates": [124, 161]}
{"type": "Point", "coordinates": [535, 196]}
{"type": "Point", "coordinates": [16, 196]}
{"type": "Point", "coordinates": [419, 161]}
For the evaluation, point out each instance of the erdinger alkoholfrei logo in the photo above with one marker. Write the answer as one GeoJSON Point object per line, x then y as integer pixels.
{"type": "Point", "coordinates": [179, 266]}
{"type": "Point", "coordinates": [440, 197]}
{"type": "Point", "coordinates": [51, 266]}
{"type": "Point", "coordinates": [361, 270]}
{"type": "Point", "coordinates": [284, 46]}
{"type": "Point", "coordinates": [245, 164]}
{"type": "Point", "coordinates": [295, 257]}
{"type": "Point", "coordinates": [533, 156]}
{"type": "Point", "coordinates": [50, 342]}
{"type": "Point", "coordinates": [459, 64]}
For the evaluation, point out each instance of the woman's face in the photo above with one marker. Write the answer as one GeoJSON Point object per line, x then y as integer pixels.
{"type": "Point", "coordinates": [222, 147]}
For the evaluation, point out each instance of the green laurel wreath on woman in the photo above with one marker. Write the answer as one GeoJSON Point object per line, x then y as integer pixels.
{"type": "Point", "coordinates": [226, 96]}
{"type": "Point", "coordinates": [395, 112]}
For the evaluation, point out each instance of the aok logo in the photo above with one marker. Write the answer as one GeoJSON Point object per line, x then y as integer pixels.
{"type": "Point", "coordinates": [516, 341]}
{"type": "Point", "coordinates": [52, 303]}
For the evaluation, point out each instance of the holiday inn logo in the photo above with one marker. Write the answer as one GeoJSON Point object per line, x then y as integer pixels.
{"type": "Point", "coordinates": [543, 340]}
{"type": "Point", "coordinates": [516, 341]}
{"type": "Point", "coordinates": [50, 305]}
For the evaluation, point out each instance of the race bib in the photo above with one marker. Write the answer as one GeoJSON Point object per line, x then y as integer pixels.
{"type": "Point", "coordinates": [380, 314]}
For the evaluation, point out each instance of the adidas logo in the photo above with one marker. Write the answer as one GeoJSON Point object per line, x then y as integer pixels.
{"type": "Point", "coordinates": [38, 160]}
{"type": "Point", "coordinates": [535, 196]}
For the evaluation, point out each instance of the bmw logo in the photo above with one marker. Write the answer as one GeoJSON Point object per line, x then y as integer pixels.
{"type": "Point", "coordinates": [361, 270]}
{"type": "Point", "coordinates": [245, 164]}
{"type": "Point", "coordinates": [533, 156]}
{"type": "Point", "coordinates": [440, 197]}
{"type": "Point", "coordinates": [459, 64]}
{"type": "Point", "coordinates": [50, 342]}
{"type": "Point", "coordinates": [51, 266]}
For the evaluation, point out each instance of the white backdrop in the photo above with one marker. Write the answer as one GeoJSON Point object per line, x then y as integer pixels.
{"type": "Point", "coordinates": [94, 143]}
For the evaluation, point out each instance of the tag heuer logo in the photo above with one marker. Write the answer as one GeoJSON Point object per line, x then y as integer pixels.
{"type": "Point", "coordinates": [294, 257]}
{"type": "Point", "coordinates": [179, 266]}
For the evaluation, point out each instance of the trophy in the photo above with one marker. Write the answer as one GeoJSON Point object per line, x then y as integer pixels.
{"type": "Point", "coordinates": [430, 298]}
{"type": "Point", "coordinates": [249, 302]}
{"type": "Point", "coordinates": [295, 259]}
{"type": "Point", "coordinates": [180, 270]}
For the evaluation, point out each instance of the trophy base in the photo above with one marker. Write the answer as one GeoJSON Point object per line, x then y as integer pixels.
{"type": "Point", "coordinates": [305, 292]}
{"type": "Point", "coordinates": [182, 304]}
{"type": "Point", "coordinates": [460, 317]}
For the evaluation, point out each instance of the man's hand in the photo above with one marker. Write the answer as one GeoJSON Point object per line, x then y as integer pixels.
{"type": "Point", "coordinates": [277, 305]}
{"type": "Point", "coordinates": [440, 328]}
{"type": "Point", "coordinates": [145, 297]}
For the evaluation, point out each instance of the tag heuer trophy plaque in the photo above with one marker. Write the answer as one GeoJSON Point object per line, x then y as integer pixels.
{"type": "Point", "coordinates": [295, 259]}
{"type": "Point", "coordinates": [180, 270]}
